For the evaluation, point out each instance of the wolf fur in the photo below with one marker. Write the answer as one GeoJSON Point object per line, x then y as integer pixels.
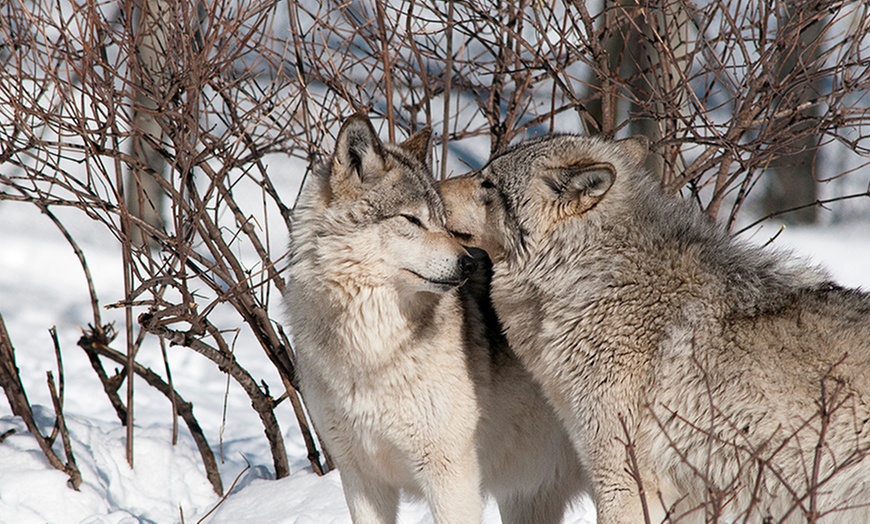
{"type": "Point", "coordinates": [406, 375]}
{"type": "Point", "coordinates": [739, 377]}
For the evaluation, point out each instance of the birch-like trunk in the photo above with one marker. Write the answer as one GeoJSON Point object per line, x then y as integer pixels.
{"type": "Point", "coordinates": [145, 196]}
{"type": "Point", "coordinates": [792, 181]}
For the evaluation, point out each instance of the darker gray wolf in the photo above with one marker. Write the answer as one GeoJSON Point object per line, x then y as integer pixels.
{"type": "Point", "coordinates": [698, 377]}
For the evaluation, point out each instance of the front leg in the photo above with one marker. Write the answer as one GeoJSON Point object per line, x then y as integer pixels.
{"type": "Point", "coordinates": [370, 500]}
{"type": "Point", "coordinates": [602, 428]}
{"type": "Point", "coordinates": [451, 485]}
{"type": "Point", "coordinates": [618, 499]}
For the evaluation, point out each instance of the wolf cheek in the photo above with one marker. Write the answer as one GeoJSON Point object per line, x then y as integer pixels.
{"type": "Point", "coordinates": [469, 208]}
{"type": "Point", "coordinates": [427, 256]}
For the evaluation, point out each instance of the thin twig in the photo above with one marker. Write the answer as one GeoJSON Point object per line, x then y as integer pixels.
{"type": "Point", "coordinates": [448, 86]}
{"type": "Point", "coordinates": [634, 469]}
{"type": "Point", "coordinates": [224, 497]}
{"type": "Point", "coordinates": [172, 398]}
{"type": "Point", "coordinates": [75, 476]}
{"type": "Point", "coordinates": [6, 434]}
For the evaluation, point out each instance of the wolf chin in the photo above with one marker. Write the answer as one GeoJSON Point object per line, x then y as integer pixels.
{"type": "Point", "coordinates": [738, 378]}
{"type": "Point", "coordinates": [406, 375]}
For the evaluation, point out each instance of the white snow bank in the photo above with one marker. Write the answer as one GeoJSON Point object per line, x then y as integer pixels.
{"type": "Point", "coordinates": [166, 481]}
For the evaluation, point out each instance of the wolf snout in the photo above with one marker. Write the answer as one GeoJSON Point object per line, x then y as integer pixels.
{"type": "Point", "coordinates": [467, 265]}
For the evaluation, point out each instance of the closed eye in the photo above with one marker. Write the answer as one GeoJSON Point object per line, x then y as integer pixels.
{"type": "Point", "coordinates": [412, 219]}
{"type": "Point", "coordinates": [459, 235]}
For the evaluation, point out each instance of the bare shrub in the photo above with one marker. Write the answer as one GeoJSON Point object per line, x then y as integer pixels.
{"type": "Point", "coordinates": [725, 90]}
{"type": "Point", "coordinates": [74, 87]}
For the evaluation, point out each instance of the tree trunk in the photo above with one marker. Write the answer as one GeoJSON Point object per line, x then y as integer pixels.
{"type": "Point", "coordinates": [791, 181]}
{"type": "Point", "coordinates": [145, 197]}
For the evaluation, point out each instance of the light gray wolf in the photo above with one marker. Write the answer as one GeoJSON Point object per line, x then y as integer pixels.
{"type": "Point", "coordinates": [404, 371]}
{"type": "Point", "coordinates": [697, 376]}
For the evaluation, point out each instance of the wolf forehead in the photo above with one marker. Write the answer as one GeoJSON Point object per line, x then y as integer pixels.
{"type": "Point", "coordinates": [405, 186]}
{"type": "Point", "coordinates": [401, 185]}
{"type": "Point", "coordinates": [415, 184]}
{"type": "Point", "coordinates": [549, 152]}
{"type": "Point", "coordinates": [517, 166]}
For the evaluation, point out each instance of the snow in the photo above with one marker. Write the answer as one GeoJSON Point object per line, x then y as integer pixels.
{"type": "Point", "coordinates": [843, 249]}
{"type": "Point", "coordinates": [165, 478]}
{"type": "Point", "coordinates": [41, 285]}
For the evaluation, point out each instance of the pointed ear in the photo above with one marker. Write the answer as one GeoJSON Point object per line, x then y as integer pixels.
{"type": "Point", "coordinates": [636, 148]}
{"type": "Point", "coordinates": [418, 145]}
{"type": "Point", "coordinates": [579, 187]}
{"type": "Point", "coordinates": [358, 151]}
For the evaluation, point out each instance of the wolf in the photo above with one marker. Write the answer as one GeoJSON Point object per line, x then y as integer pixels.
{"type": "Point", "coordinates": [698, 376]}
{"type": "Point", "coordinates": [405, 370]}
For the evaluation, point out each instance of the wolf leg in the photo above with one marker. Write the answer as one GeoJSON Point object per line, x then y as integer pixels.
{"type": "Point", "coordinates": [370, 501]}
{"type": "Point", "coordinates": [452, 489]}
{"type": "Point", "coordinates": [546, 506]}
{"type": "Point", "coordinates": [622, 504]}
{"type": "Point", "coordinates": [617, 497]}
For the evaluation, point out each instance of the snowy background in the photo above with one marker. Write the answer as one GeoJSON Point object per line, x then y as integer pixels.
{"type": "Point", "coordinates": [41, 285]}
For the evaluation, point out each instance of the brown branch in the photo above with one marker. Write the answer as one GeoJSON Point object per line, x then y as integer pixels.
{"type": "Point", "coordinates": [10, 380]}
{"type": "Point", "coordinates": [633, 468]}
{"type": "Point", "coordinates": [448, 80]}
{"type": "Point", "coordinates": [6, 434]}
{"type": "Point", "coordinates": [94, 344]}
{"type": "Point", "coordinates": [170, 387]}
{"type": "Point", "coordinates": [71, 469]}
{"type": "Point", "coordinates": [261, 403]}
{"type": "Point", "coordinates": [380, 17]}
{"type": "Point", "coordinates": [104, 335]}
{"type": "Point", "coordinates": [59, 361]}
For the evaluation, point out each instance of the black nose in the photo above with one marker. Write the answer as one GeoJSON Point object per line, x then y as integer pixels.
{"type": "Point", "coordinates": [467, 265]}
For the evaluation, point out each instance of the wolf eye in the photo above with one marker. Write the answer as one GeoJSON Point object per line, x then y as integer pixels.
{"type": "Point", "coordinates": [486, 184]}
{"type": "Point", "coordinates": [412, 219]}
{"type": "Point", "coordinates": [460, 236]}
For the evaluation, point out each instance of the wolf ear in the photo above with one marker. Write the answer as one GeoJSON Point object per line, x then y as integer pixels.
{"type": "Point", "coordinates": [581, 186]}
{"type": "Point", "coordinates": [418, 145]}
{"type": "Point", "coordinates": [636, 148]}
{"type": "Point", "coordinates": [358, 150]}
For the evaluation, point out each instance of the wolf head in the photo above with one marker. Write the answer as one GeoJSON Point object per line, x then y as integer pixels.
{"type": "Point", "coordinates": [373, 217]}
{"type": "Point", "coordinates": [524, 193]}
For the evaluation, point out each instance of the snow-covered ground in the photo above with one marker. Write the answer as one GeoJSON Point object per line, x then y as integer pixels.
{"type": "Point", "coordinates": [41, 285]}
